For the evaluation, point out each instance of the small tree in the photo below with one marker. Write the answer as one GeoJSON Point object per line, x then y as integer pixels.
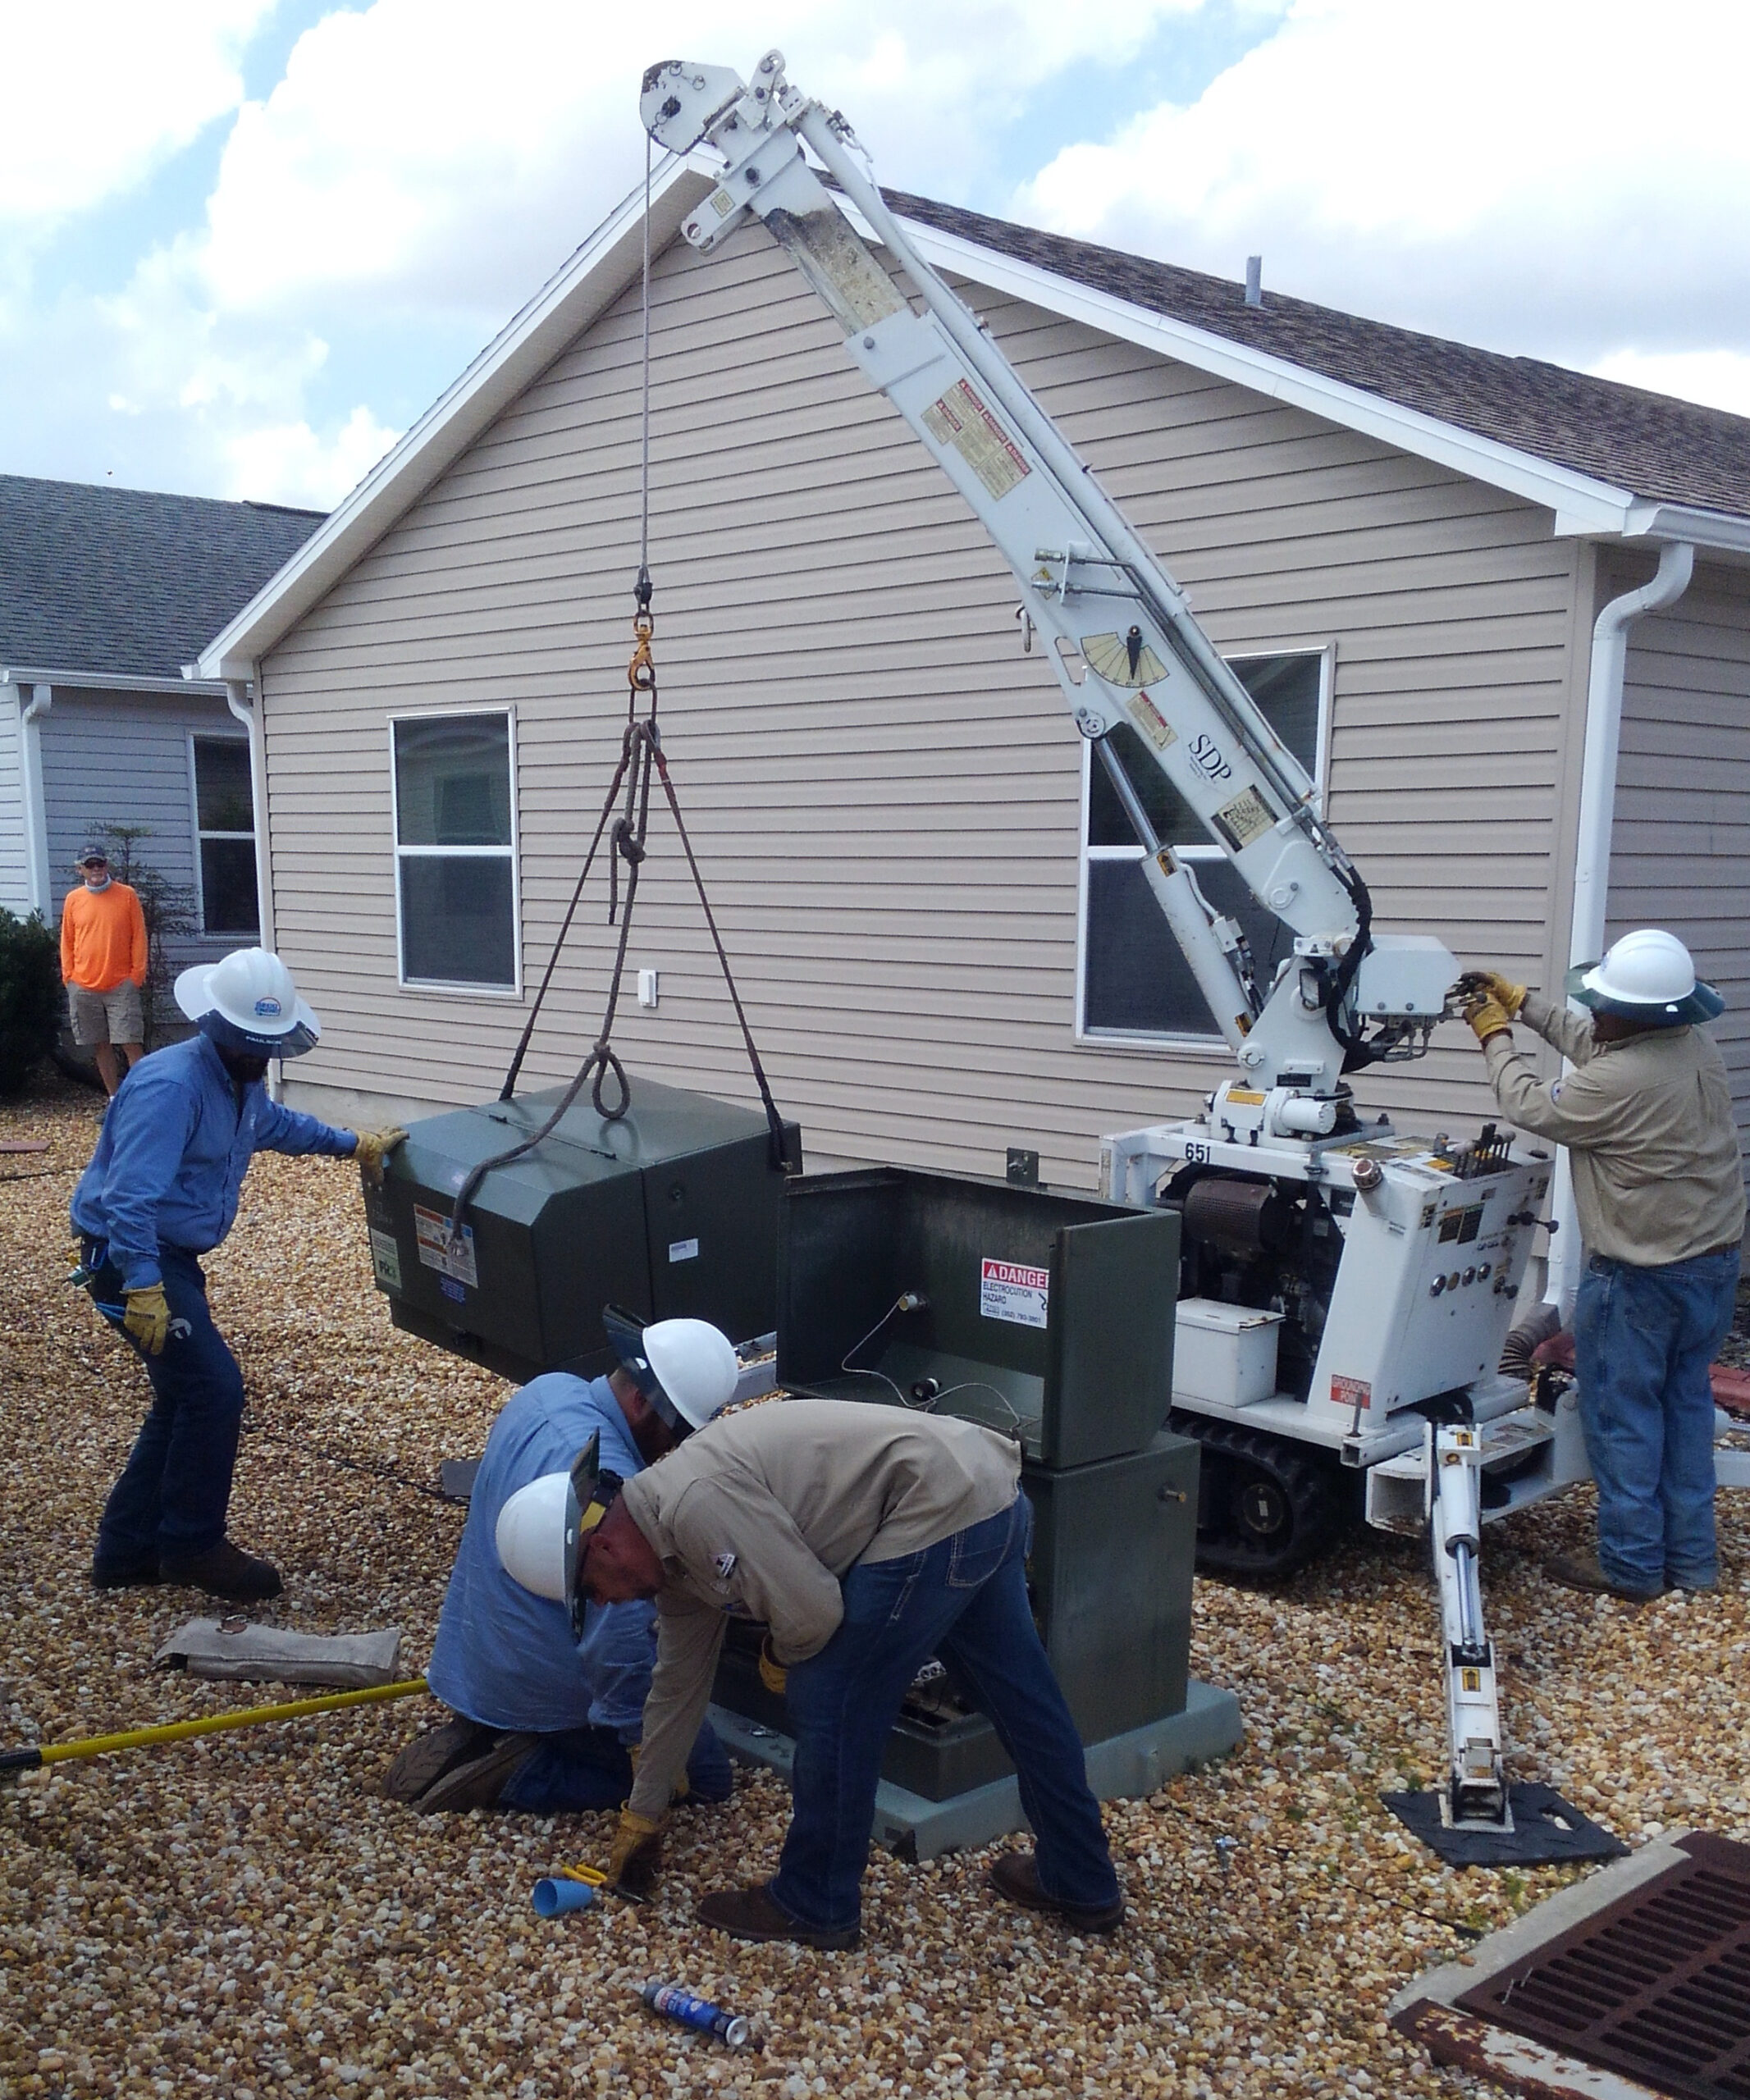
{"type": "Point", "coordinates": [30, 1004]}
{"type": "Point", "coordinates": [168, 907]}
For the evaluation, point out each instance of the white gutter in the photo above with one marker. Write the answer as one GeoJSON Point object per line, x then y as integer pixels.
{"type": "Point", "coordinates": [1591, 856]}
{"type": "Point", "coordinates": [237, 700]}
{"type": "Point", "coordinates": [30, 790]}
{"type": "Point", "coordinates": [22, 674]}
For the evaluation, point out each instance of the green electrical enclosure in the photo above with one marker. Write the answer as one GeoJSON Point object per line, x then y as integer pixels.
{"type": "Point", "coordinates": [1046, 1312]}
{"type": "Point", "coordinates": [672, 1210]}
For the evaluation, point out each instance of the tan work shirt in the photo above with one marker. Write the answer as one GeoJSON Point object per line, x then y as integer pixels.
{"type": "Point", "coordinates": [761, 1514]}
{"type": "Point", "coordinates": [1658, 1176]}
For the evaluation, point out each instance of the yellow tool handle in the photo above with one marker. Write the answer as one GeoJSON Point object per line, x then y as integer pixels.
{"type": "Point", "coordinates": [208, 1724]}
{"type": "Point", "coordinates": [593, 1875]}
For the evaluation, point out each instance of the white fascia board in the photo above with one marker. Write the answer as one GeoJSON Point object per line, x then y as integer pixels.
{"type": "Point", "coordinates": [1584, 504]}
{"type": "Point", "coordinates": [24, 674]}
{"type": "Point", "coordinates": [600, 270]}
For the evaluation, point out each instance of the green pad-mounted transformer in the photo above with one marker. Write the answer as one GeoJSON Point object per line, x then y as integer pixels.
{"type": "Point", "coordinates": [672, 1210]}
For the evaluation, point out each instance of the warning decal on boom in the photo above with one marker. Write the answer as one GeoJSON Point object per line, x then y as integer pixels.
{"type": "Point", "coordinates": [961, 420]}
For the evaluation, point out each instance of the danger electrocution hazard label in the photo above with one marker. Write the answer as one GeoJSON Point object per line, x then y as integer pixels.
{"type": "Point", "coordinates": [1012, 1291]}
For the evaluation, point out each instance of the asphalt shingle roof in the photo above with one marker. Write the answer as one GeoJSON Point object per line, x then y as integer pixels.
{"type": "Point", "coordinates": [1667, 450]}
{"type": "Point", "coordinates": [124, 582]}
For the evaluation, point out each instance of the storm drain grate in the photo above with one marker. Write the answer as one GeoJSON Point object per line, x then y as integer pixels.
{"type": "Point", "coordinates": [1657, 1986]}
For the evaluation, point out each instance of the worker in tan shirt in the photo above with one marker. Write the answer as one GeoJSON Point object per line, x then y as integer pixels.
{"type": "Point", "coordinates": [103, 967]}
{"type": "Point", "coordinates": [1645, 1113]}
{"type": "Point", "coordinates": [868, 1539]}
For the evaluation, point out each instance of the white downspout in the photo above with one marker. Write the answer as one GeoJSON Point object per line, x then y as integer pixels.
{"type": "Point", "coordinates": [236, 699]}
{"type": "Point", "coordinates": [1592, 854]}
{"type": "Point", "coordinates": [37, 874]}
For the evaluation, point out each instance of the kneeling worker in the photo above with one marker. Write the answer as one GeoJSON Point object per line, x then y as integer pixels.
{"type": "Point", "coordinates": [549, 1696]}
{"type": "Point", "coordinates": [869, 1539]}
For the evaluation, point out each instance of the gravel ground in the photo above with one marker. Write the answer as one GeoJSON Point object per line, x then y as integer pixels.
{"type": "Point", "coordinates": [242, 1915]}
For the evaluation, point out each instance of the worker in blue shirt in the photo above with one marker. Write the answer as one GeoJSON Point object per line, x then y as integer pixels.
{"type": "Point", "coordinates": [547, 1717]}
{"type": "Point", "coordinates": [160, 1191]}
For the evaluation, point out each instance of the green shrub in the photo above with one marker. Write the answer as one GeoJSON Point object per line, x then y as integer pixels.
{"type": "Point", "coordinates": [30, 1001]}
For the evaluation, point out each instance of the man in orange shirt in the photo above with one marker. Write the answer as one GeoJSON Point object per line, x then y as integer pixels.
{"type": "Point", "coordinates": [104, 966]}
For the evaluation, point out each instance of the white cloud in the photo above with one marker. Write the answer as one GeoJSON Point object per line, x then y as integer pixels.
{"type": "Point", "coordinates": [1532, 175]}
{"type": "Point", "coordinates": [299, 467]}
{"type": "Point", "coordinates": [98, 92]}
{"type": "Point", "coordinates": [449, 157]}
{"type": "Point", "coordinates": [1718, 379]}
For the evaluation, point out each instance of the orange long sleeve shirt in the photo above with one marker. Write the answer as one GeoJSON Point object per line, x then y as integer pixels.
{"type": "Point", "coordinates": [102, 937]}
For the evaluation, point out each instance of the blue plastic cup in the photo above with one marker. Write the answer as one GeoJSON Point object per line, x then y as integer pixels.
{"type": "Point", "coordinates": [552, 1899]}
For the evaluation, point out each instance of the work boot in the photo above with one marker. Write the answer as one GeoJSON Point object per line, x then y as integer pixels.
{"type": "Point", "coordinates": [477, 1781]}
{"type": "Point", "coordinates": [225, 1570]}
{"type": "Point", "coordinates": [125, 1574]}
{"type": "Point", "coordinates": [428, 1758]}
{"type": "Point", "coordinates": [1581, 1571]}
{"type": "Point", "coordinates": [751, 1914]}
{"type": "Point", "coordinates": [1015, 1875]}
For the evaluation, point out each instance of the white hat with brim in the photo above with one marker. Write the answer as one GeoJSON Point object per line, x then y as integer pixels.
{"type": "Point", "coordinates": [1701, 1003]}
{"type": "Point", "coordinates": [208, 988]}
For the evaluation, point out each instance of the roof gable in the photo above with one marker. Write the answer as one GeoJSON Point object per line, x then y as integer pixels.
{"type": "Point", "coordinates": [126, 581]}
{"type": "Point", "coordinates": [1558, 439]}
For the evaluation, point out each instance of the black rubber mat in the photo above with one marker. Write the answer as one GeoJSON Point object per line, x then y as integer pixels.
{"type": "Point", "coordinates": [1545, 1828]}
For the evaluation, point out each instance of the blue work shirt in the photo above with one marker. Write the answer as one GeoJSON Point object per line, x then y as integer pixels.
{"type": "Point", "coordinates": [504, 1657]}
{"type": "Point", "coordinates": [174, 1150]}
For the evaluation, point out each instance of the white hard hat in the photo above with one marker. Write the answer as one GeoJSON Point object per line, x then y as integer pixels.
{"type": "Point", "coordinates": [687, 1369]}
{"type": "Point", "coordinates": [536, 1536]}
{"type": "Point", "coordinates": [252, 990]}
{"type": "Point", "coordinates": [1648, 975]}
{"type": "Point", "coordinates": [541, 1528]}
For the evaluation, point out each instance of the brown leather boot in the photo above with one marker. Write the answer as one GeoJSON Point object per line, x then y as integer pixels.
{"type": "Point", "coordinates": [225, 1570]}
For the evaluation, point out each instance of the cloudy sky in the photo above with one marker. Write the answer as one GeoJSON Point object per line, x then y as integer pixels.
{"type": "Point", "coordinates": [244, 243]}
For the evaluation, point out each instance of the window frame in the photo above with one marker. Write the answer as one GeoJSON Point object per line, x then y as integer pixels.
{"type": "Point", "coordinates": [1209, 1044]}
{"type": "Point", "coordinates": [197, 834]}
{"type": "Point", "coordinates": [510, 993]}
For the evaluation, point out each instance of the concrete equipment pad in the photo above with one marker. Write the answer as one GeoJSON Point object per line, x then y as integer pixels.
{"type": "Point", "coordinates": [1121, 1768]}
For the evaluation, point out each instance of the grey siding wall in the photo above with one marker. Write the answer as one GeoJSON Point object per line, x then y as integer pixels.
{"type": "Point", "coordinates": [1680, 851]}
{"type": "Point", "coordinates": [123, 758]}
{"type": "Point", "coordinates": [15, 887]}
{"type": "Point", "coordinates": [886, 794]}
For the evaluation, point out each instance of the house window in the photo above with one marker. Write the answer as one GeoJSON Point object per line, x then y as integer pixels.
{"type": "Point", "coordinates": [225, 836]}
{"type": "Point", "coordinates": [455, 850]}
{"type": "Point", "coordinates": [1135, 982]}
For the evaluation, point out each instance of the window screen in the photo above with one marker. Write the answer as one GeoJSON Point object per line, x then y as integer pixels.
{"type": "Point", "coordinates": [455, 850]}
{"type": "Point", "coordinates": [225, 828]}
{"type": "Point", "coordinates": [1135, 981]}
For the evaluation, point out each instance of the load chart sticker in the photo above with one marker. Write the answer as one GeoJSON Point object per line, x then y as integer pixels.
{"type": "Point", "coordinates": [438, 1251]}
{"type": "Point", "coordinates": [960, 419]}
{"type": "Point", "coordinates": [1012, 1291]}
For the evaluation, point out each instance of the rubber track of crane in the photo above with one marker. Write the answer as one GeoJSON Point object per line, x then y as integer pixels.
{"type": "Point", "coordinates": [1308, 1479]}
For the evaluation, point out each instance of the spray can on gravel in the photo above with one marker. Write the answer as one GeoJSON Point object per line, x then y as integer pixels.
{"type": "Point", "coordinates": [674, 2003]}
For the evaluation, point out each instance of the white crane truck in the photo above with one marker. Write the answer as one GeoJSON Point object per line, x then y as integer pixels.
{"type": "Point", "coordinates": [1387, 1265]}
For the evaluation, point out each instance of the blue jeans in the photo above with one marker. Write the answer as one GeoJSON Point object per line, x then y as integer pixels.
{"type": "Point", "coordinates": [964, 1600]}
{"type": "Point", "coordinates": [1643, 1341]}
{"type": "Point", "coordinates": [173, 1495]}
{"type": "Point", "coordinates": [588, 1767]}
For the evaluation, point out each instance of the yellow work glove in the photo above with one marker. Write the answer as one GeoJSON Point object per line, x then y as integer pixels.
{"type": "Point", "coordinates": [148, 1318]}
{"type": "Point", "coordinates": [636, 1860]}
{"type": "Point", "coordinates": [683, 1785]}
{"type": "Point", "coordinates": [372, 1148]}
{"type": "Point", "coordinates": [1508, 995]}
{"type": "Point", "coordinates": [1487, 1016]}
{"type": "Point", "coordinates": [773, 1675]}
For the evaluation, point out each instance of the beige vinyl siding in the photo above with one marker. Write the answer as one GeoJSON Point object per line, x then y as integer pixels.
{"type": "Point", "coordinates": [1680, 848]}
{"type": "Point", "coordinates": [885, 794]}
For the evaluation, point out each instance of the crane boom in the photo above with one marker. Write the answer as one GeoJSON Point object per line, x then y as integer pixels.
{"type": "Point", "coordinates": [1119, 635]}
